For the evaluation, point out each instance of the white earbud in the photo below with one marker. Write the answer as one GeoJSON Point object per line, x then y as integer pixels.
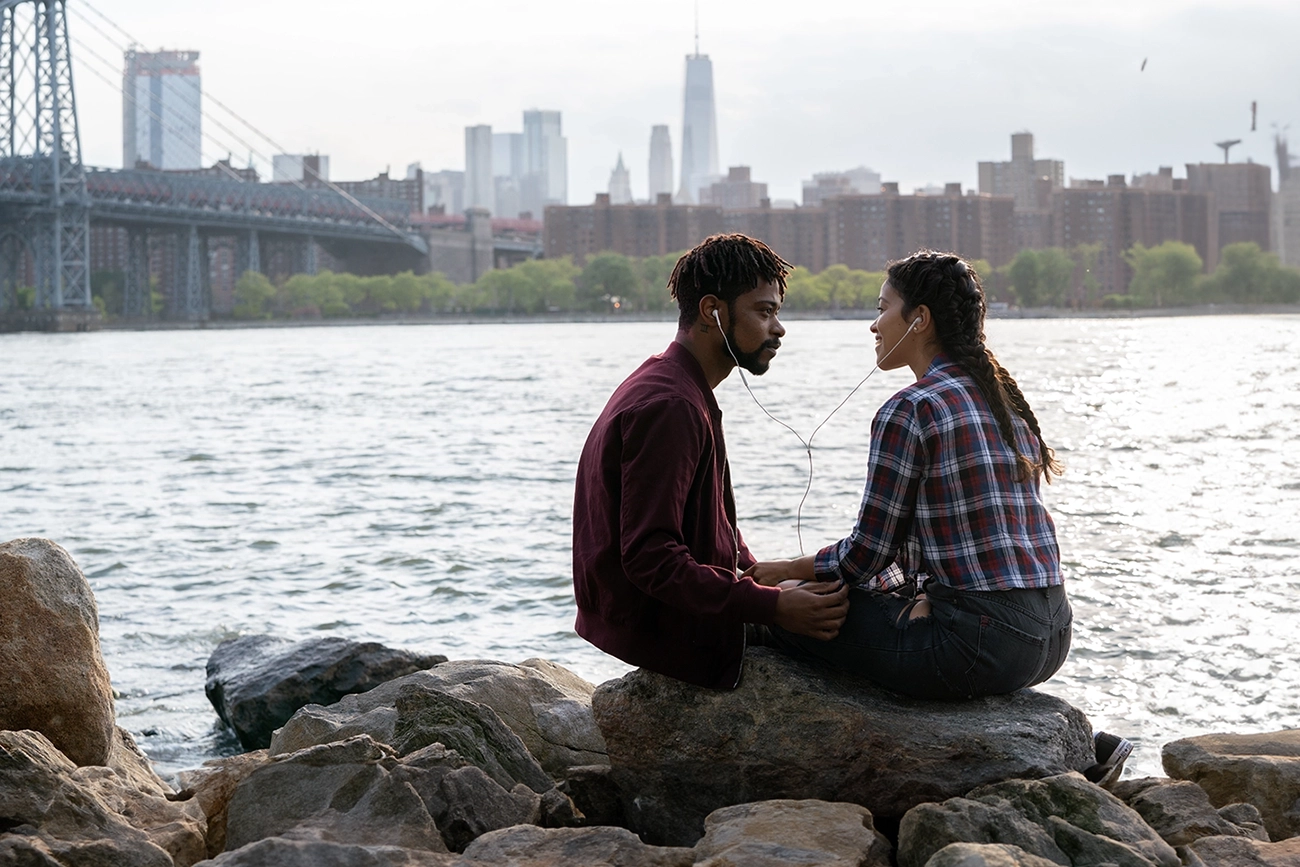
{"type": "Point", "coordinates": [716, 318]}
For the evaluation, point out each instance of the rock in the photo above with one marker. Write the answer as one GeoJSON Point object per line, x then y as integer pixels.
{"type": "Point", "coordinates": [985, 855]}
{"type": "Point", "coordinates": [1179, 812]}
{"type": "Point", "coordinates": [1242, 852]}
{"type": "Point", "coordinates": [280, 852]}
{"type": "Point", "coordinates": [527, 846]}
{"type": "Point", "coordinates": [782, 832]}
{"type": "Point", "coordinates": [465, 802]}
{"type": "Point", "coordinates": [426, 716]}
{"type": "Point", "coordinates": [791, 730]}
{"type": "Point", "coordinates": [1247, 819]}
{"type": "Point", "coordinates": [547, 706]}
{"type": "Point", "coordinates": [214, 784]}
{"type": "Point", "coordinates": [134, 767]}
{"type": "Point", "coordinates": [595, 794]}
{"type": "Point", "coordinates": [52, 675]}
{"type": "Point", "coordinates": [57, 813]}
{"type": "Point", "coordinates": [342, 792]}
{"type": "Point", "coordinates": [1064, 819]}
{"type": "Point", "coordinates": [559, 811]}
{"type": "Point", "coordinates": [257, 682]}
{"type": "Point", "coordinates": [1261, 769]}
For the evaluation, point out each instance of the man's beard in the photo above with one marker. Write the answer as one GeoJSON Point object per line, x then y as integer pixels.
{"type": "Point", "coordinates": [751, 361]}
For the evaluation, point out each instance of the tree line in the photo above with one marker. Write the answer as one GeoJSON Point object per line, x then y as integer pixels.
{"type": "Point", "coordinates": [1167, 275]}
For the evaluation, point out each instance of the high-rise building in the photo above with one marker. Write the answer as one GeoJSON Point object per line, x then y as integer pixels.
{"type": "Point", "coordinates": [1031, 182]}
{"type": "Point", "coordinates": [824, 185]}
{"type": "Point", "coordinates": [509, 165]}
{"type": "Point", "coordinates": [546, 155]}
{"type": "Point", "coordinates": [620, 184]}
{"type": "Point", "coordinates": [737, 190]}
{"type": "Point", "coordinates": [480, 192]}
{"type": "Point", "coordinates": [299, 167]}
{"type": "Point", "coordinates": [700, 163]}
{"type": "Point", "coordinates": [445, 191]}
{"type": "Point", "coordinates": [161, 110]}
{"type": "Point", "coordinates": [508, 159]}
{"type": "Point", "coordinates": [661, 161]}
{"type": "Point", "coordinates": [1243, 198]}
{"type": "Point", "coordinates": [1286, 208]}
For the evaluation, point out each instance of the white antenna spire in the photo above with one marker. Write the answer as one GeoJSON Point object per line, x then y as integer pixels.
{"type": "Point", "coordinates": [697, 28]}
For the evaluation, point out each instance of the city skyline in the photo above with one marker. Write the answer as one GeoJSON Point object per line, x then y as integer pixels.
{"type": "Point", "coordinates": [828, 91]}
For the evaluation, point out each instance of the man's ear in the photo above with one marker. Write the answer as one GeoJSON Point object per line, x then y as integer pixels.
{"type": "Point", "coordinates": [710, 310]}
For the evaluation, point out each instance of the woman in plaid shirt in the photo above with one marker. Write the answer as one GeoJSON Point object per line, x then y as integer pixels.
{"type": "Point", "coordinates": [954, 572]}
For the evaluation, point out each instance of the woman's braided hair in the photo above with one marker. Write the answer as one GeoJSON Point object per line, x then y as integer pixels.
{"type": "Point", "coordinates": [949, 286]}
{"type": "Point", "coordinates": [727, 266]}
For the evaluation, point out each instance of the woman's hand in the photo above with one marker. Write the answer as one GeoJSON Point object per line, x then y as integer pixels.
{"type": "Point", "coordinates": [772, 572]}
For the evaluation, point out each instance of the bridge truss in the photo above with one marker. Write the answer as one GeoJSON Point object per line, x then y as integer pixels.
{"type": "Point", "coordinates": [44, 203]}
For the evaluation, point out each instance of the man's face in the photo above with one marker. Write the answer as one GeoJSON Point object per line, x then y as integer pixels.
{"type": "Point", "coordinates": [753, 329]}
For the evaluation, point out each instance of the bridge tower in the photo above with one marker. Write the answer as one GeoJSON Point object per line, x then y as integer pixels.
{"type": "Point", "coordinates": [44, 206]}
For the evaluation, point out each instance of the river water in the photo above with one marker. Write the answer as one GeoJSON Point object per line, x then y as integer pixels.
{"type": "Point", "coordinates": [413, 485]}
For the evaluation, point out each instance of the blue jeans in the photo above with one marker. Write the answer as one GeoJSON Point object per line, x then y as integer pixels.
{"type": "Point", "coordinates": [973, 643]}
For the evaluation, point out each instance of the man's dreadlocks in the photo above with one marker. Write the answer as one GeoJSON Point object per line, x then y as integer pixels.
{"type": "Point", "coordinates": [727, 266]}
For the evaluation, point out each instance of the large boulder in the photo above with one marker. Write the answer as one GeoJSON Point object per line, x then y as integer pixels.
{"type": "Point", "coordinates": [780, 833]}
{"type": "Point", "coordinates": [791, 730]}
{"type": "Point", "coordinates": [1241, 852]}
{"type": "Point", "coordinates": [427, 716]}
{"type": "Point", "coordinates": [985, 855]}
{"type": "Point", "coordinates": [213, 785]}
{"type": "Point", "coordinates": [343, 792]}
{"type": "Point", "coordinates": [57, 813]}
{"type": "Point", "coordinates": [257, 682]}
{"type": "Point", "coordinates": [282, 852]}
{"type": "Point", "coordinates": [360, 792]}
{"type": "Point", "coordinates": [1260, 769]}
{"type": "Point", "coordinates": [52, 675]}
{"type": "Point", "coordinates": [546, 705]}
{"type": "Point", "coordinates": [1064, 819]}
{"type": "Point", "coordinates": [528, 846]}
{"type": "Point", "coordinates": [1179, 811]}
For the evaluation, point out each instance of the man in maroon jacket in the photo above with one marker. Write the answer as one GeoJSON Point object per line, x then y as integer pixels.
{"type": "Point", "coordinates": [657, 555]}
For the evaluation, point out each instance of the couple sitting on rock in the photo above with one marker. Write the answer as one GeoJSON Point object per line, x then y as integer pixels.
{"type": "Point", "coordinates": [950, 585]}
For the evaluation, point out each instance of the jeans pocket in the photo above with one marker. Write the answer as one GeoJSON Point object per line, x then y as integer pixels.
{"type": "Point", "coordinates": [986, 656]}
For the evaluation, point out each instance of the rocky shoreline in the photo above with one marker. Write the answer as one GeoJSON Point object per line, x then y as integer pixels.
{"type": "Point", "coordinates": [359, 754]}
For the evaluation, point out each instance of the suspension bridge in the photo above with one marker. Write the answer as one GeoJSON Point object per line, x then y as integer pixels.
{"type": "Point", "coordinates": [49, 200]}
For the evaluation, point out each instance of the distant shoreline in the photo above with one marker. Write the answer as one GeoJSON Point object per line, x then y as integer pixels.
{"type": "Point", "coordinates": [669, 316]}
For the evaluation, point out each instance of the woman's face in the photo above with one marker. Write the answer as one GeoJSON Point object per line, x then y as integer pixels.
{"type": "Point", "coordinates": [894, 344]}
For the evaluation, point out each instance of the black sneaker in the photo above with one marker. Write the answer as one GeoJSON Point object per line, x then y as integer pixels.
{"type": "Point", "coordinates": [1111, 752]}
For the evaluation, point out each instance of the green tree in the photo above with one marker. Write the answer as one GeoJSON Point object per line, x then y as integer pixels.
{"type": "Point", "coordinates": [253, 295]}
{"type": "Point", "coordinates": [804, 292]}
{"type": "Point", "coordinates": [1086, 288]}
{"type": "Point", "coordinates": [1168, 273]}
{"type": "Point", "coordinates": [1248, 275]}
{"type": "Point", "coordinates": [108, 287]}
{"type": "Point", "coordinates": [1055, 271]}
{"type": "Point", "coordinates": [607, 281]}
{"type": "Point", "coordinates": [1025, 275]}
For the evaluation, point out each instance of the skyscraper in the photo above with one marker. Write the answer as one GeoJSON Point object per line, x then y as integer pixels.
{"type": "Point", "coordinates": [161, 114]}
{"type": "Point", "coordinates": [661, 161]}
{"type": "Point", "coordinates": [620, 184]}
{"type": "Point", "coordinates": [479, 189]}
{"type": "Point", "coordinates": [546, 175]}
{"type": "Point", "coordinates": [699, 127]}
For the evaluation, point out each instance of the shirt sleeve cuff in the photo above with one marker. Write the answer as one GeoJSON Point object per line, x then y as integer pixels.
{"type": "Point", "coordinates": [756, 603]}
{"type": "Point", "coordinates": [826, 563]}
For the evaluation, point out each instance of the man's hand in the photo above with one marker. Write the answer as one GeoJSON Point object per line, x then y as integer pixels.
{"type": "Point", "coordinates": [815, 609]}
{"type": "Point", "coordinates": [772, 572]}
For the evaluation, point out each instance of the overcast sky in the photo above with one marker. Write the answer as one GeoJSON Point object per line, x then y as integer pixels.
{"type": "Point", "coordinates": [919, 91]}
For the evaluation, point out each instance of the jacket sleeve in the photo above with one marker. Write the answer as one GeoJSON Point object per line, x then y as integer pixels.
{"type": "Point", "coordinates": [663, 443]}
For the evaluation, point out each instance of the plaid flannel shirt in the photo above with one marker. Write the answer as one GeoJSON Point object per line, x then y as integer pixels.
{"type": "Point", "coordinates": [942, 498]}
